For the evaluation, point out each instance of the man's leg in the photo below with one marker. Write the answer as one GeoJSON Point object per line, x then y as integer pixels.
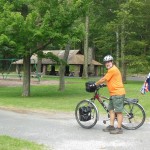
{"type": "Point", "coordinates": [118, 107]}
{"type": "Point", "coordinates": [119, 119]}
{"type": "Point", "coordinates": [112, 117]}
{"type": "Point", "coordinates": [118, 130]}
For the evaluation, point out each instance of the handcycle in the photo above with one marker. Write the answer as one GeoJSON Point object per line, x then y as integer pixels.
{"type": "Point", "coordinates": [87, 114]}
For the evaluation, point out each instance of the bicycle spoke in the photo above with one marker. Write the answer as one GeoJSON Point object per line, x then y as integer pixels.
{"type": "Point", "coordinates": [133, 116]}
{"type": "Point", "coordinates": [91, 116]}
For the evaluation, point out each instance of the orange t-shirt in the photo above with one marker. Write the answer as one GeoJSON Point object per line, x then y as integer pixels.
{"type": "Point", "coordinates": [114, 81]}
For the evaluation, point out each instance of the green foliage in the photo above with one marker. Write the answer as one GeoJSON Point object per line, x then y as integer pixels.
{"type": "Point", "coordinates": [107, 18]}
{"type": "Point", "coordinates": [28, 26]}
{"type": "Point", "coordinates": [31, 25]}
{"type": "Point", "coordinates": [135, 47]}
{"type": "Point", "coordinates": [138, 64]}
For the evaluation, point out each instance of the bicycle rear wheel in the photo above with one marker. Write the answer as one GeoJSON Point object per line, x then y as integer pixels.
{"type": "Point", "coordinates": [133, 116]}
{"type": "Point", "coordinates": [91, 116]}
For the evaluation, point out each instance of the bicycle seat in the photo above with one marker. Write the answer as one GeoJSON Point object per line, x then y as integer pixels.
{"type": "Point", "coordinates": [131, 100]}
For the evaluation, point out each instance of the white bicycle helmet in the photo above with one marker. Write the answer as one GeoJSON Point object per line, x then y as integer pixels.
{"type": "Point", "coordinates": [108, 58]}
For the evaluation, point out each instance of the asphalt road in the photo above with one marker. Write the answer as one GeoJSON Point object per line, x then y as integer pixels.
{"type": "Point", "coordinates": [61, 132]}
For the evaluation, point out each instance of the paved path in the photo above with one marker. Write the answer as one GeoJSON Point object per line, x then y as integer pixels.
{"type": "Point", "coordinates": [136, 78]}
{"type": "Point", "coordinates": [61, 132]}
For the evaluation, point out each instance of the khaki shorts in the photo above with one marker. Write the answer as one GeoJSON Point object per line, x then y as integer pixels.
{"type": "Point", "coordinates": [116, 103]}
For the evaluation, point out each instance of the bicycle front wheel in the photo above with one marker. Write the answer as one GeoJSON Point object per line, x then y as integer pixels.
{"type": "Point", "coordinates": [133, 116]}
{"type": "Point", "coordinates": [89, 118]}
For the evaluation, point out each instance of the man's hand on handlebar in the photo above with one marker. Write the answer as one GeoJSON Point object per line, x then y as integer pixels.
{"type": "Point", "coordinates": [102, 85]}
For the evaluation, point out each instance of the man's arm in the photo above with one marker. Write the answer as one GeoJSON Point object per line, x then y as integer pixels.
{"type": "Point", "coordinates": [107, 77]}
{"type": "Point", "coordinates": [102, 80]}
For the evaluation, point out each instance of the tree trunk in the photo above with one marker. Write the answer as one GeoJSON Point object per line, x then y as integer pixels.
{"type": "Point", "coordinates": [90, 58]}
{"type": "Point", "coordinates": [62, 69]}
{"type": "Point", "coordinates": [85, 68]}
{"type": "Point", "coordinates": [26, 76]}
{"type": "Point", "coordinates": [123, 67]}
{"type": "Point", "coordinates": [39, 65]}
{"type": "Point", "coordinates": [117, 47]}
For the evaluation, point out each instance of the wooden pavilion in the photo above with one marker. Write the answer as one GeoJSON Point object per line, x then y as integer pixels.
{"type": "Point", "coordinates": [75, 61]}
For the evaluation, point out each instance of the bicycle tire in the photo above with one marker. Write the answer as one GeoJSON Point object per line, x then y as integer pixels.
{"type": "Point", "coordinates": [133, 116]}
{"type": "Point", "coordinates": [90, 123]}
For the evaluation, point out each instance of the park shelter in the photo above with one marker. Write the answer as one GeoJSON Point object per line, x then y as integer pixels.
{"type": "Point", "coordinates": [75, 59]}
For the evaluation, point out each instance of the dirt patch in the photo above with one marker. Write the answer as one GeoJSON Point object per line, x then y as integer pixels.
{"type": "Point", "coordinates": [18, 110]}
{"type": "Point", "coordinates": [17, 82]}
{"type": "Point", "coordinates": [13, 82]}
{"type": "Point", "coordinates": [48, 114]}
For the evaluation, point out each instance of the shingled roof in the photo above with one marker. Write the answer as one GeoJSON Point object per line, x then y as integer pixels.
{"type": "Point", "coordinates": [74, 58]}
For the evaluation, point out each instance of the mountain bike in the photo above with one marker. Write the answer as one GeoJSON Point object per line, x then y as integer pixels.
{"type": "Point", "coordinates": [87, 114]}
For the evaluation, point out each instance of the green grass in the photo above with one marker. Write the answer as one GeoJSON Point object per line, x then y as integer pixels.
{"type": "Point", "coordinates": [8, 143]}
{"type": "Point", "coordinates": [44, 97]}
{"type": "Point", "coordinates": [50, 99]}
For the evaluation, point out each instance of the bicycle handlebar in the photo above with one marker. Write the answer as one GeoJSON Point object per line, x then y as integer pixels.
{"type": "Point", "coordinates": [92, 87]}
{"type": "Point", "coordinates": [101, 86]}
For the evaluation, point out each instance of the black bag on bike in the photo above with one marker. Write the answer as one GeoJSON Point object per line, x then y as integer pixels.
{"type": "Point", "coordinates": [85, 113]}
{"type": "Point", "coordinates": [90, 86]}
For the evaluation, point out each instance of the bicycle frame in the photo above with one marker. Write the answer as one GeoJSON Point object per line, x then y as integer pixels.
{"type": "Point", "coordinates": [99, 98]}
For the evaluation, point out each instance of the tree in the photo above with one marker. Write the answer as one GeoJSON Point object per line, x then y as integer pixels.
{"type": "Point", "coordinates": [33, 25]}
{"type": "Point", "coordinates": [62, 68]}
{"type": "Point", "coordinates": [86, 46]}
{"type": "Point", "coordinates": [126, 18]}
{"type": "Point", "coordinates": [101, 39]}
{"type": "Point", "coordinates": [120, 29]}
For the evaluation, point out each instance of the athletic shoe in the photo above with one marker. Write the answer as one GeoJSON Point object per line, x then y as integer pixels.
{"type": "Point", "coordinates": [109, 128]}
{"type": "Point", "coordinates": [116, 131]}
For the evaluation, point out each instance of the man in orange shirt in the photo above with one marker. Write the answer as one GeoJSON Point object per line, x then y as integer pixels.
{"type": "Point", "coordinates": [116, 89]}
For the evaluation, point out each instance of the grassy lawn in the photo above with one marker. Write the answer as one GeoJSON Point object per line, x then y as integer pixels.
{"type": "Point", "coordinates": [48, 97]}
{"type": "Point", "coordinates": [8, 143]}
